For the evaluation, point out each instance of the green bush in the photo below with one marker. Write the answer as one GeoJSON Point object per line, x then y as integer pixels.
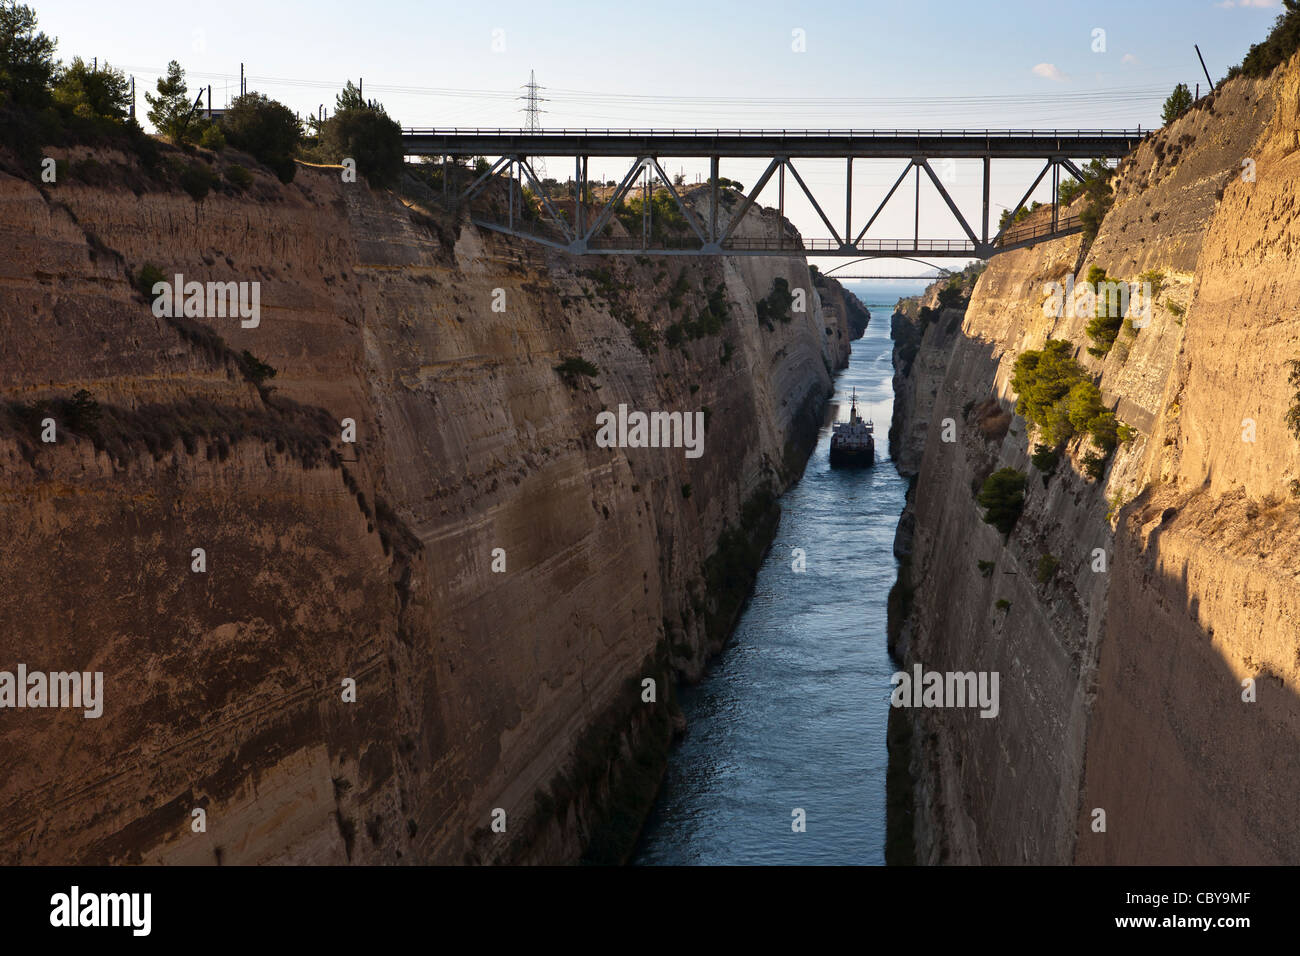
{"type": "Point", "coordinates": [577, 366]}
{"type": "Point", "coordinates": [150, 274]}
{"type": "Point", "coordinates": [102, 91]}
{"type": "Point", "coordinates": [1068, 191]}
{"type": "Point", "coordinates": [1002, 604]}
{"type": "Point", "coordinates": [83, 413]}
{"type": "Point", "coordinates": [1047, 566]}
{"type": "Point", "coordinates": [666, 219]}
{"type": "Point", "coordinates": [1044, 458]}
{"type": "Point", "coordinates": [239, 177]}
{"type": "Point", "coordinates": [1099, 195]}
{"type": "Point", "coordinates": [370, 137]}
{"type": "Point", "coordinates": [198, 179]}
{"type": "Point", "coordinates": [254, 369]}
{"type": "Point", "coordinates": [1104, 327]}
{"type": "Point", "coordinates": [213, 138]}
{"type": "Point", "coordinates": [686, 490]}
{"type": "Point", "coordinates": [951, 296]}
{"type": "Point", "coordinates": [1281, 43]}
{"type": "Point", "coordinates": [265, 128]}
{"type": "Point", "coordinates": [1293, 413]}
{"type": "Point", "coordinates": [776, 305]}
{"type": "Point", "coordinates": [27, 64]}
{"type": "Point", "coordinates": [1003, 498]}
{"type": "Point", "coordinates": [1094, 466]}
{"type": "Point", "coordinates": [1179, 102]}
{"type": "Point", "coordinates": [1154, 278]}
{"type": "Point", "coordinates": [985, 567]}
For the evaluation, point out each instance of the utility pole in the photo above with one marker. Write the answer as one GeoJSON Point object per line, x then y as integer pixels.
{"type": "Point", "coordinates": [533, 114]}
{"type": "Point", "coordinates": [132, 96]}
{"type": "Point", "coordinates": [1207, 72]}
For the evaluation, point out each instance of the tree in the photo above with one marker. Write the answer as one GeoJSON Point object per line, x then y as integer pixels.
{"type": "Point", "coordinates": [169, 109]}
{"type": "Point", "coordinates": [1003, 498]}
{"type": "Point", "coordinates": [1099, 197]}
{"type": "Point", "coordinates": [350, 99]}
{"type": "Point", "coordinates": [265, 128]}
{"type": "Point", "coordinates": [1178, 103]}
{"type": "Point", "coordinates": [363, 131]}
{"type": "Point", "coordinates": [89, 91]}
{"type": "Point", "coordinates": [1282, 41]}
{"type": "Point", "coordinates": [27, 64]}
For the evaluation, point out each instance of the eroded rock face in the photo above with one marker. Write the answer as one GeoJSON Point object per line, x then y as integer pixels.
{"type": "Point", "coordinates": [1121, 688]}
{"type": "Point", "coordinates": [475, 689]}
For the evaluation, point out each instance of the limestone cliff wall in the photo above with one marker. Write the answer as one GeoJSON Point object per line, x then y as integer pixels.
{"type": "Point", "coordinates": [1121, 683]}
{"type": "Point", "coordinates": [326, 560]}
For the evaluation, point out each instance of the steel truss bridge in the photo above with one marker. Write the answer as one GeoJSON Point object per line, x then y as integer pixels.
{"type": "Point", "coordinates": [584, 230]}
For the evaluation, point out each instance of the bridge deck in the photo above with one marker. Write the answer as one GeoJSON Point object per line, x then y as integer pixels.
{"type": "Point", "coordinates": [881, 144]}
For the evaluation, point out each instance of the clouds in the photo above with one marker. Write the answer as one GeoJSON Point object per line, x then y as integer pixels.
{"type": "Point", "coordinates": [1257, 4]}
{"type": "Point", "coordinates": [1130, 58]}
{"type": "Point", "coordinates": [1048, 71]}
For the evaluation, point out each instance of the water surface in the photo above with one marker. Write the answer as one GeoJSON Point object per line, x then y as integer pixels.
{"type": "Point", "coordinates": [792, 714]}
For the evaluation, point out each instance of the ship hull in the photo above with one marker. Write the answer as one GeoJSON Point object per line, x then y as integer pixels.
{"type": "Point", "coordinates": [853, 457]}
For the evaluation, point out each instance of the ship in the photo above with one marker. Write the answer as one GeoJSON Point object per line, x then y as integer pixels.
{"type": "Point", "coordinates": [853, 443]}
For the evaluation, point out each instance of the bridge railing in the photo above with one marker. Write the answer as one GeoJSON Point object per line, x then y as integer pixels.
{"type": "Point", "coordinates": [1022, 233]}
{"type": "Point", "coordinates": [759, 133]}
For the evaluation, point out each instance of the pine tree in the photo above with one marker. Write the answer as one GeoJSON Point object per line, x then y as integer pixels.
{"type": "Point", "coordinates": [168, 110]}
{"type": "Point", "coordinates": [26, 57]}
{"type": "Point", "coordinates": [1177, 104]}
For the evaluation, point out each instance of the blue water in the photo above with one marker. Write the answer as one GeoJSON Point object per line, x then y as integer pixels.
{"type": "Point", "coordinates": [792, 714]}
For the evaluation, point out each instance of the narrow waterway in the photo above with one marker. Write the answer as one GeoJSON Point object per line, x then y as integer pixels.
{"type": "Point", "coordinates": [792, 714]}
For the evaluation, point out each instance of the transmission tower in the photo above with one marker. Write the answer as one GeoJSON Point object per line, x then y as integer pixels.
{"type": "Point", "coordinates": [533, 112]}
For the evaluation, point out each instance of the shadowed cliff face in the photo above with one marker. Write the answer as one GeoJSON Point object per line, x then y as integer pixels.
{"type": "Point", "coordinates": [1121, 683]}
{"type": "Point", "coordinates": [476, 688]}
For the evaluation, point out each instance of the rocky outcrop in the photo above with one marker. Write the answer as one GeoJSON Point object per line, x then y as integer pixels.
{"type": "Point", "coordinates": [498, 585]}
{"type": "Point", "coordinates": [1122, 613]}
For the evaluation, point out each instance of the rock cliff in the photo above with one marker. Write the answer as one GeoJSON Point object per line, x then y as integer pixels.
{"type": "Point", "coordinates": [1123, 612]}
{"type": "Point", "coordinates": [498, 585]}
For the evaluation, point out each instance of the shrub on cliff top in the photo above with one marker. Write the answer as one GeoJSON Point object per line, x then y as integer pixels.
{"type": "Point", "coordinates": [265, 128]}
{"type": "Point", "coordinates": [26, 56]}
{"type": "Point", "coordinates": [1003, 498]}
{"type": "Point", "coordinates": [363, 131]}
{"type": "Point", "coordinates": [93, 90]}
{"type": "Point", "coordinates": [1178, 103]}
{"type": "Point", "coordinates": [1276, 49]}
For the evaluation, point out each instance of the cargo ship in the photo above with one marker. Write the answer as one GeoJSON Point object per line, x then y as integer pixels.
{"type": "Point", "coordinates": [853, 443]}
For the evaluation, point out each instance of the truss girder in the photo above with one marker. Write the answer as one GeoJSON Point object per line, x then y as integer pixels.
{"type": "Point", "coordinates": [583, 233]}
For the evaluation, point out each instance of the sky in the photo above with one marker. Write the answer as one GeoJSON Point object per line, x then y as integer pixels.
{"type": "Point", "coordinates": [751, 64]}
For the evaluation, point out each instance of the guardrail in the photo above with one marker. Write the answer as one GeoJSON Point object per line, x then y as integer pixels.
{"type": "Point", "coordinates": [758, 133]}
{"type": "Point", "coordinates": [1022, 233]}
